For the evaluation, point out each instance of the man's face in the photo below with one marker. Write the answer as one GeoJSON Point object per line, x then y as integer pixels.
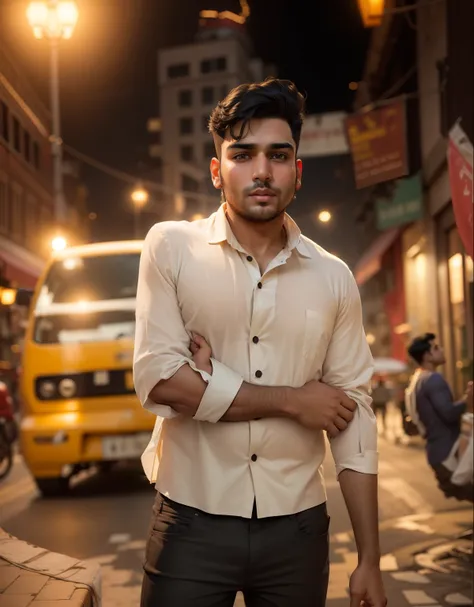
{"type": "Point", "coordinates": [260, 173]}
{"type": "Point", "coordinates": [436, 354]}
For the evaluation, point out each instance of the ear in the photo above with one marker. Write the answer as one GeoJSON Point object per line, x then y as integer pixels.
{"type": "Point", "coordinates": [215, 173]}
{"type": "Point", "coordinates": [299, 173]}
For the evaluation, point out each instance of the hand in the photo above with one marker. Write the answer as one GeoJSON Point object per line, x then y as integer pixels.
{"type": "Point", "coordinates": [366, 587]}
{"type": "Point", "coordinates": [201, 352]}
{"type": "Point", "coordinates": [322, 407]}
{"type": "Point", "coordinates": [469, 398]}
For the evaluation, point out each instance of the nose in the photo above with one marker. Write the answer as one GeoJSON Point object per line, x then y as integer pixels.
{"type": "Point", "coordinates": [262, 168]}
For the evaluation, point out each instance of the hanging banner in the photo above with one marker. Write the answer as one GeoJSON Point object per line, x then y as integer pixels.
{"type": "Point", "coordinates": [323, 135]}
{"type": "Point", "coordinates": [405, 206]}
{"type": "Point", "coordinates": [460, 153]}
{"type": "Point", "coordinates": [378, 144]}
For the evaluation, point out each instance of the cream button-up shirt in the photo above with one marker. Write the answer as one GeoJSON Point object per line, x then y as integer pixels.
{"type": "Point", "coordinates": [300, 320]}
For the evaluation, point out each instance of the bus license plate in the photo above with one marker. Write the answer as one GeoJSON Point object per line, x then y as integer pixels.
{"type": "Point", "coordinates": [124, 447]}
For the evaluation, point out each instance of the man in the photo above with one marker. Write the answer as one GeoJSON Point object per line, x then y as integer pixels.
{"type": "Point", "coordinates": [238, 446]}
{"type": "Point", "coordinates": [381, 395]}
{"type": "Point", "coordinates": [430, 403]}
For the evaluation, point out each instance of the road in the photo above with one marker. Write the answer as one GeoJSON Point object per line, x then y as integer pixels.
{"type": "Point", "coordinates": [105, 519]}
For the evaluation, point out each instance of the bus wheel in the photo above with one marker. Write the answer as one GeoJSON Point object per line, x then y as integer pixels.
{"type": "Point", "coordinates": [53, 487]}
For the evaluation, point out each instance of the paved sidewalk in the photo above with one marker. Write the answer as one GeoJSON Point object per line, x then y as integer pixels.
{"type": "Point", "coordinates": [34, 577]}
{"type": "Point", "coordinates": [434, 568]}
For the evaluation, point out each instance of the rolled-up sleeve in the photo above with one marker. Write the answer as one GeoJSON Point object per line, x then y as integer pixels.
{"type": "Point", "coordinates": [349, 366]}
{"type": "Point", "coordinates": [161, 340]}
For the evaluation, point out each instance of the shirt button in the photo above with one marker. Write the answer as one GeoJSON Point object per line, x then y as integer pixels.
{"type": "Point", "coordinates": [254, 458]}
{"type": "Point", "coordinates": [249, 258]}
{"type": "Point", "coordinates": [259, 285]}
{"type": "Point", "coordinates": [258, 374]}
{"type": "Point", "coordinates": [255, 340]}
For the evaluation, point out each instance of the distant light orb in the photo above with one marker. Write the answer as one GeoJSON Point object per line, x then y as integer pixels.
{"type": "Point", "coordinates": [59, 243]}
{"type": "Point", "coordinates": [324, 216]}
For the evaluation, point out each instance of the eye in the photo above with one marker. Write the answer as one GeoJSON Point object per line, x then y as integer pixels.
{"type": "Point", "coordinates": [241, 156]}
{"type": "Point", "coordinates": [279, 156]}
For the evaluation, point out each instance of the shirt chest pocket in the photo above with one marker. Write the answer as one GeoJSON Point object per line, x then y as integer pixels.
{"type": "Point", "coordinates": [317, 336]}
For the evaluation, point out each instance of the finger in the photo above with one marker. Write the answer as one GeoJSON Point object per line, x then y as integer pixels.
{"type": "Point", "coordinates": [194, 347]}
{"type": "Point", "coordinates": [356, 600]}
{"type": "Point", "coordinates": [346, 415]}
{"type": "Point", "coordinates": [332, 430]}
{"type": "Point", "coordinates": [347, 402]}
{"type": "Point", "coordinates": [200, 340]}
{"type": "Point", "coordinates": [340, 423]}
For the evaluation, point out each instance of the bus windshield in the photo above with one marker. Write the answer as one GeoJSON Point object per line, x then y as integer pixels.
{"type": "Point", "coordinates": [88, 299]}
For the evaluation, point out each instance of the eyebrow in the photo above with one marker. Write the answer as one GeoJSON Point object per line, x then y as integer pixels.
{"type": "Point", "coordinates": [251, 146]}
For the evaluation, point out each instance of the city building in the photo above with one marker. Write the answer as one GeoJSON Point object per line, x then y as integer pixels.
{"type": "Point", "coordinates": [192, 79]}
{"type": "Point", "coordinates": [26, 203]}
{"type": "Point", "coordinates": [416, 275]}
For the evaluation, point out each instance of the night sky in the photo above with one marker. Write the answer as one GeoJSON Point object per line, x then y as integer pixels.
{"type": "Point", "coordinates": [109, 84]}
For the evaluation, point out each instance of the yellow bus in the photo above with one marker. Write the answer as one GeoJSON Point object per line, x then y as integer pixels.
{"type": "Point", "coordinates": [78, 402]}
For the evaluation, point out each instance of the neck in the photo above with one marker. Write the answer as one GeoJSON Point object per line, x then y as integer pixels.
{"type": "Point", "coordinates": [428, 367]}
{"type": "Point", "coordinates": [257, 237]}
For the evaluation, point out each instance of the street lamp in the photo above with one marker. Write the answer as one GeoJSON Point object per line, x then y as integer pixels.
{"type": "Point", "coordinates": [140, 198]}
{"type": "Point", "coordinates": [324, 216]}
{"type": "Point", "coordinates": [54, 20]}
{"type": "Point", "coordinates": [58, 244]}
{"type": "Point", "coordinates": [372, 12]}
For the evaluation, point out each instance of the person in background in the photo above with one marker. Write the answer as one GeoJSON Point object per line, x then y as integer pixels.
{"type": "Point", "coordinates": [380, 397]}
{"type": "Point", "coordinates": [431, 405]}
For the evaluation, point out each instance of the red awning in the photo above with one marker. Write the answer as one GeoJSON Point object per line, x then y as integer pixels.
{"type": "Point", "coordinates": [18, 265]}
{"type": "Point", "coordinates": [371, 261]}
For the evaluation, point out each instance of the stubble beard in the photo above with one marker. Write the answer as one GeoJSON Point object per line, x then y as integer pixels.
{"type": "Point", "coordinates": [248, 215]}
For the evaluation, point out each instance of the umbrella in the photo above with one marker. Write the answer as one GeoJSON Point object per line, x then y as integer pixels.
{"type": "Point", "coordinates": [389, 365]}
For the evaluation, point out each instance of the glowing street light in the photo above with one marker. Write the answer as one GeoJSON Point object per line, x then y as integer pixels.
{"type": "Point", "coordinates": [324, 216]}
{"type": "Point", "coordinates": [372, 12]}
{"type": "Point", "coordinates": [59, 243]}
{"type": "Point", "coordinates": [140, 198]}
{"type": "Point", "coordinates": [54, 20]}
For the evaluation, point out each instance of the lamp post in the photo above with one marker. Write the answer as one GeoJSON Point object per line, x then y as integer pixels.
{"type": "Point", "coordinates": [54, 20]}
{"type": "Point", "coordinates": [140, 199]}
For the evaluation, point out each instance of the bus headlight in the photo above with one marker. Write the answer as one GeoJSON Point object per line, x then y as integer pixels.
{"type": "Point", "coordinates": [47, 389]}
{"type": "Point", "coordinates": [67, 388]}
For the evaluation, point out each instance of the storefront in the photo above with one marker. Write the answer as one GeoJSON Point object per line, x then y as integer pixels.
{"type": "Point", "coordinates": [456, 300]}
{"type": "Point", "coordinates": [19, 268]}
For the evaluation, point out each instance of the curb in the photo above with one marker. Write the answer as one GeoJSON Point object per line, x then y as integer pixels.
{"type": "Point", "coordinates": [33, 576]}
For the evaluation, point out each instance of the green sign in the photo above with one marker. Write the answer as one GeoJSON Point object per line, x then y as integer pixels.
{"type": "Point", "coordinates": [406, 205]}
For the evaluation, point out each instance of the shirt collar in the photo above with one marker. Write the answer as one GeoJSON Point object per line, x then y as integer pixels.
{"type": "Point", "coordinates": [219, 231]}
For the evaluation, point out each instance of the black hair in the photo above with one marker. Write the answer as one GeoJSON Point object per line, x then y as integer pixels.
{"type": "Point", "coordinates": [272, 98]}
{"type": "Point", "coordinates": [420, 346]}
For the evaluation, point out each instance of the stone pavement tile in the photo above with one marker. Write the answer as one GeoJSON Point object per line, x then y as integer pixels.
{"type": "Point", "coordinates": [27, 583]}
{"type": "Point", "coordinates": [459, 599]}
{"type": "Point", "coordinates": [53, 563]}
{"type": "Point", "coordinates": [17, 551]}
{"type": "Point", "coordinates": [412, 577]}
{"type": "Point", "coordinates": [56, 590]}
{"type": "Point", "coordinates": [14, 600]}
{"type": "Point", "coordinates": [7, 576]}
{"type": "Point", "coordinates": [82, 598]}
{"type": "Point", "coordinates": [419, 597]}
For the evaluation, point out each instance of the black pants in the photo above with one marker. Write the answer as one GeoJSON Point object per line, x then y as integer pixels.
{"type": "Point", "coordinates": [459, 492]}
{"type": "Point", "coordinates": [195, 559]}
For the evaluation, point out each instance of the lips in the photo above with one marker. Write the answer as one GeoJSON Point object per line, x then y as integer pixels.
{"type": "Point", "coordinates": [262, 192]}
